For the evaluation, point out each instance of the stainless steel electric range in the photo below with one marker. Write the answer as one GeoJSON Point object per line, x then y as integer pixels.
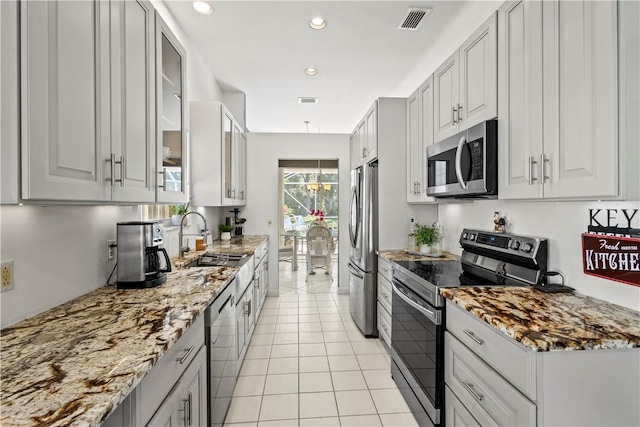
{"type": "Point", "coordinates": [417, 324]}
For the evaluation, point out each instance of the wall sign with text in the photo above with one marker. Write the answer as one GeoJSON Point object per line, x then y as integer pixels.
{"type": "Point", "coordinates": [611, 257]}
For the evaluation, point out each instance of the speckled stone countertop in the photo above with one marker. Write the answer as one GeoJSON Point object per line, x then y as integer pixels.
{"type": "Point", "coordinates": [73, 364]}
{"type": "Point", "coordinates": [551, 321]}
{"type": "Point", "coordinates": [403, 255]}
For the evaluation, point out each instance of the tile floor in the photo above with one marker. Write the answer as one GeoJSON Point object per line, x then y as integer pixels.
{"type": "Point", "coordinates": [309, 365]}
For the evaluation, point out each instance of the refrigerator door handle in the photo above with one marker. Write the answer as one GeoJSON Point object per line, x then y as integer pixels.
{"type": "Point", "coordinates": [354, 271]}
{"type": "Point", "coordinates": [353, 234]}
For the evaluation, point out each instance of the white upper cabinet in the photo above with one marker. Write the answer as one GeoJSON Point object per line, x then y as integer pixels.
{"type": "Point", "coordinates": [558, 100]}
{"type": "Point", "coordinates": [520, 104]}
{"type": "Point", "coordinates": [171, 154]}
{"type": "Point", "coordinates": [218, 161]}
{"type": "Point", "coordinates": [419, 137]}
{"type": "Point", "coordinates": [133, 99]}
{"type": "Point", "coordinates": [88, 101]}
{"type": "Point", "coordinates": [465, 86]}
{"type": "Point", "coordinates": [364, 139]}
{"type": "Point", "coordinates": [65, 100]}
{"type": "Point", "coordinates": [580, 75]}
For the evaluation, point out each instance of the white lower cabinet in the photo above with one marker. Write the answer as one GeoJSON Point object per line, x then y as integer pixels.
{"type": "Point", "coordinates": [186, 404]}
{"type": "Point", "coordinates": [488, 396]}
{"type": "Point", "coordinates": [493, 380]}
{"type": "Point", "coordinates": [384, 300]}
{"type": "Point", "coordinates": [455, 413]}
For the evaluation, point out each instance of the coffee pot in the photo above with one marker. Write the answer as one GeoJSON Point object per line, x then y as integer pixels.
{"type": "Point", "coordinates": [140, 257]}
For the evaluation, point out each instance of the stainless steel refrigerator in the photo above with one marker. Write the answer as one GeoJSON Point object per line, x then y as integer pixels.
{"type": "Point", "coordinates": [363, 238]}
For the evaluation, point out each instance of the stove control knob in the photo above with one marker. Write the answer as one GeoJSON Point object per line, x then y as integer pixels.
{"type": "Point", "coordinates": [527, 247]}
{"type": "Point", "coordinates": [464, 236]}
{"type": "Point", "coordinates": [515, 245]}
{"type": "Point", "coordinates": [472, 236]}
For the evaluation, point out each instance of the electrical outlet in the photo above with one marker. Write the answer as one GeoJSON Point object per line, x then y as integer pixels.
{"type": "Point", "coordinates": [7, 275]}
{"type": "Point", "coordinates": [111, 249]}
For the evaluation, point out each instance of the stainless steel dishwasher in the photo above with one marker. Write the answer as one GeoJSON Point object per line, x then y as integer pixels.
{"type": "Point", "coordinates": [220, 338]}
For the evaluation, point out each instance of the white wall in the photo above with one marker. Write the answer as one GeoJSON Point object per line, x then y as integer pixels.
{"type": "Point", "coordinates": [562, 223]}
{"type": "Point", "coordinates": [59, 252]}
{"type": "Point", "coordinates": [263, 153]}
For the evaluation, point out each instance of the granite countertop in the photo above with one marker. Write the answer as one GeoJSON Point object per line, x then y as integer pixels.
{"type": "Point", "coordinates": [550, 321]}
{"type": "Point", "coordinates": [73, 364]}
{"type": "Point", "coordinates": [403, 255]}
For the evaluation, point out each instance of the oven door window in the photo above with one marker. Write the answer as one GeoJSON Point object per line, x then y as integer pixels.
{"type": "Point", "coordinates": [418, 341]}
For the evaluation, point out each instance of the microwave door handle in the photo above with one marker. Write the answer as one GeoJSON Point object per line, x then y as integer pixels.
{"type": "Point", "coordinates": [463, 184]}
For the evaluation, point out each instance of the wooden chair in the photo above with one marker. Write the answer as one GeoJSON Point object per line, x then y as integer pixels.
{"type": "Point", "coordinates": [319, 248]}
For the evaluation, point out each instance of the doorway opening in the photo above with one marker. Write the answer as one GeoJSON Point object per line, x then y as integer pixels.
{"type": "Point", "coordinates": [308, 226]}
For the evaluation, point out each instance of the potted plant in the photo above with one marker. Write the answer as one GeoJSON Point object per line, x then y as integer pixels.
{"type": "Point", "coordinates": [225, 231]}
{"type": "Point", "coordinates": [428, 238]}
{"type": "Point", "coordinates": [177, 212]}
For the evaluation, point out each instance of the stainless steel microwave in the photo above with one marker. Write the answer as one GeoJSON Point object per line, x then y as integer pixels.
{"type": "Point", "coordinates": [466, 164]}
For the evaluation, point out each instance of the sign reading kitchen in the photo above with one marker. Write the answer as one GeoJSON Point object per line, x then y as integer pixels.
{"type": "Point", "coordinates": [611, 257]}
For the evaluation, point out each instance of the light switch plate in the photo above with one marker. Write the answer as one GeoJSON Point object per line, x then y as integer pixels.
{"type": "Point", "coordinates": [7, 275]}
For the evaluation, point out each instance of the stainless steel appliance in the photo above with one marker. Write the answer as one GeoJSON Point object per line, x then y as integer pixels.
{"type": "Point", "coordinates": [363, 238]}
{"type": "Point", "coordinates": [220, 339]}
{"type": "Point", "coordinates": [466, 164]}
{"type": "Point", "coordinates": [139, 255]}
{"type": "Point", "coordinates": [417, 323]}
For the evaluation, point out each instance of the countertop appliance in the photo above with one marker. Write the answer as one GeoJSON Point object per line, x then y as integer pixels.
{"type": "Point", "coordinates": [466, 164]}
{"type": "Point", "coordinates": [417, 321]}
{"type": "Point", "coordinates": [139, 255]}
{"type": "Point", "coordinates": [363, 239]}
{"type": "Point", "coordinates": [220, 339]}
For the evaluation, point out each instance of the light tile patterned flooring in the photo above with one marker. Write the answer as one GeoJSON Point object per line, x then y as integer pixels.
{"type": "Point", "coordinates": [309, 365]}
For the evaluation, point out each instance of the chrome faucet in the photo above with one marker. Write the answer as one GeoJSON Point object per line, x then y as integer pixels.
{"type": "Point", "coordinates": [184, 249]}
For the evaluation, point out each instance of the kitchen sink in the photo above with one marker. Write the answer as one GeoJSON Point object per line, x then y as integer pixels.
{"type": "Point", "coordinates": [219, 260]}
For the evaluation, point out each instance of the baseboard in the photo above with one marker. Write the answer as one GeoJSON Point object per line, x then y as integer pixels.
{"type": "Point", "coordinates": [273, 293]}
{"type": "Point", "coordinates": [343, 290]}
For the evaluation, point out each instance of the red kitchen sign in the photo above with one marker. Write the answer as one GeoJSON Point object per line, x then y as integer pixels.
{"type": "Point", "coordinates": [613, 258]}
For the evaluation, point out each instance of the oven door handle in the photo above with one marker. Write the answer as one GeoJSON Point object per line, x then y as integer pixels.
{"type": "Point", "coordinates": [463, 184]}
{"type": "Point", "coordinates": [427, 313]}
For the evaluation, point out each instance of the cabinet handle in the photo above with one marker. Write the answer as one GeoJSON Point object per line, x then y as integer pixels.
{"type": "Point", "coordinates": [164, 179]}
{"type": "Point", "coordinates": [419, 191]}
{"type": "Point", "coordinates": [186, 411]}
{"type": "Point", "coordinates": [233, 193]}
{"type": "Point", "coordinates": [453, 116]}
{"type": "Point", "coordinates": [459, 113]}
{"type": "Point", "coordinates": [473, 336]}
{"type": "Point", "coordinates": [186, 355]}
{"type": "Point", "coordinates": [543, 160]}
{"type": "Point", "coordinates": [473, 391]}
{"type": "Point", "coordinates": [532, 162]}
{"type": "Point", "coordinates": [242, 195]}
{"type": "Point", "coordinates": [247, 308]}
{"type": "Point", "coordinates": [112, 161]}
{"type": "Point", "coordinates": [121, 163]}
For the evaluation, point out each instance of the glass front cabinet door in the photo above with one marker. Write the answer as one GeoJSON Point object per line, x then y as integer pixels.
{"type": "Point", "coordinates": [171, 158]}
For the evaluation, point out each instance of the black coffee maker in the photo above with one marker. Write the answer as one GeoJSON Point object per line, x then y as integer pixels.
{"type": "Point", "coordinates": [139, 255]}
{"type": "Point", "coordinates": [237, 222]}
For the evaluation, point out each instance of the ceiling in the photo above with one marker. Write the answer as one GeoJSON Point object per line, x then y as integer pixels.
{"type": "Point", "coordinates": [261, 48]}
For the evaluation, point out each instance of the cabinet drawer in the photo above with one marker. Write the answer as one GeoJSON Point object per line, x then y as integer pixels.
{"type": "Point", "coordinates": [384, 268]}
{"type": "Point", "coordinates": [384, 324]}
{"type": "Point", "coordinates": [261, 251]}
{"type": "Point", "coordinates": [488, 397]}
{"type": "Point", "coordinates": [455, 413]}
{"type": "Point", "coordinates": [384, 292]}
{"type": "Point", "coordinates": [157, 384]}
{"type": "Point", "coordinates": [501, 352]}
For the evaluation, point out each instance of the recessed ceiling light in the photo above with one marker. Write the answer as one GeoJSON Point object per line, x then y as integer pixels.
{"type": "Point", "coordinates": [203, 7]}
{"type": "Point", "coordinates": [317, 23]}
{"type": "Point", "coordinates": [311, 71]}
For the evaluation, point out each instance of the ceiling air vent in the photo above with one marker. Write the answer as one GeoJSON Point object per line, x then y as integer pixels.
{"type": "Point", "coordinates": [413, 18]}
{"type": "Point", "coordinates": [308, 100]}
